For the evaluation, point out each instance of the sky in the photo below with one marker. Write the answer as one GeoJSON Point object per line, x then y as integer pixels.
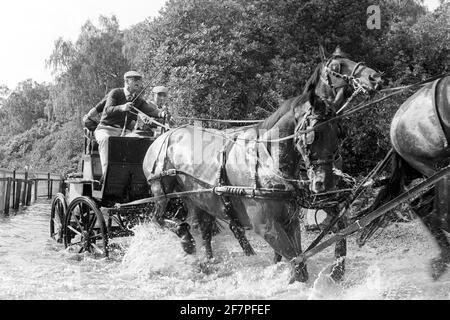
{"type": "Point", "coordinates": [29, 28]}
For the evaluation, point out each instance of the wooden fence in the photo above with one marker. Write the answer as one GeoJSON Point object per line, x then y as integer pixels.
{"type": "Point", "coordinates": [23, 188]}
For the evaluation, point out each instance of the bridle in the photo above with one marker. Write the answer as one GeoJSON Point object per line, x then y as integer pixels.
{"type": "Point", "coordinates": [347, 79]}
{"type": "Point", "coordinates": [305, 140]}
{"type": "Point", "coordinates": [310, 119]}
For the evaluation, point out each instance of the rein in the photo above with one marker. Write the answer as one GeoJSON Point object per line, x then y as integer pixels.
{"type": "Point", "coordinates": [219, 120]}
{"type": "Point", "coordinates": [360, 107]}
{"type": "Point", "coordinates": [357, 108]}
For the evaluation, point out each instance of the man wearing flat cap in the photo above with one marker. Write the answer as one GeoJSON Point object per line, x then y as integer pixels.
{"type": "Point", "coordinates": [119, 115]}
{"type": "Point", "coordinates": [160, 96]}
{"type": "Point", "coordinates": [159, 99]}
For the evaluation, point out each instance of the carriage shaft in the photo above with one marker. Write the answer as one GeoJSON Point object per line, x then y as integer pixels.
{"type": "Point", "coordinates": [363, 222]}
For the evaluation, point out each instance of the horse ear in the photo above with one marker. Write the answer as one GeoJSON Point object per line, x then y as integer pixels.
{"type": "Point", "coordinates": [339, 53]}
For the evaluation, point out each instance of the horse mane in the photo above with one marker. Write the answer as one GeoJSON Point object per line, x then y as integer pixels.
{"type": "Point", "coordinates": [290, 104]}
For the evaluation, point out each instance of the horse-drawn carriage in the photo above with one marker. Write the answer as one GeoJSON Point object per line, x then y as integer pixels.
{"type": "Point", "coordinates": [250, 178]}
{"type": "Point", "coordinates": [84, 217]}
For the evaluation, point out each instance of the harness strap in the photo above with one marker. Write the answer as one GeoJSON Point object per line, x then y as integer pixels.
{"type": "Point", "coordinates": [254, 177]}
{"type": "Point", "coordinates": [221, 181]}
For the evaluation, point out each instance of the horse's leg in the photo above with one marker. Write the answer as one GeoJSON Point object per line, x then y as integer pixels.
{"type": "Point", "coordinates": [429, 212]}
{"type": "Point", "coordinates": [340, 252]}
{"type": "Point", "coordinates": [206, 222]}
{"type": "Point", "coordinates": [285, 239]}
{"type": "Point", "coordinates": [293, 232]}
{"type": "Point", "coordinates": [277, 257]}
{"type": "Point", "coordinates": [340, 249]}
{"type": "Point", "coordinates": [239, 234]}
{"type": "Point", "coordinates": [181, 229]}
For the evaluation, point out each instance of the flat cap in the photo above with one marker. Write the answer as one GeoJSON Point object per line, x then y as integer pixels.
{"type": "Point", "coordinates": [160, 89]}
{"type": "Point", "coordinates": [132, 74]}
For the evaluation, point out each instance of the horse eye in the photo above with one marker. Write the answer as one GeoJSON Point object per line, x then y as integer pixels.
{"type": "Point", "coordinates": [336, 67]}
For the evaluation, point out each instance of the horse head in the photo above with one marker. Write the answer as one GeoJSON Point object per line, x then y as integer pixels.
{"type": "Point", "coordinates": [317, 142]}
{"type": "Point", "coordinates": [340, 77]}
{"type": "Point", "coordinates": [317, 138]}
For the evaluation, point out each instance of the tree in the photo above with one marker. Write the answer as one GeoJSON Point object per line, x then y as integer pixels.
{"type": "Point", "coordinates": [87, 69]}
{"type": "Point", "coordinates": [25, 105]}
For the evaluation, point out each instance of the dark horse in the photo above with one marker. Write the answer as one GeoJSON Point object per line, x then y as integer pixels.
{"type": "Point", "coordinates": [420, 132]}
{"type": "Point", "coordinates": [265, 156]}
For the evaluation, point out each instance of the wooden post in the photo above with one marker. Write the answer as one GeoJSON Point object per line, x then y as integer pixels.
{"type": "Point", "coordinates": [36, 189]}
{"type": "Point", "coordinates": [61, 185]}
{"type": "Point", "coordinates": [25, 189]}
{"type": "Point", "coordinates": [29, 188]}
{"type": "Point", "coordinates": [22, 192]}
{"type": "Point", "coordinates": [7, 196]}
{"type": "Point", "coordinates": [17, 198]}
{"type": "Point", "coordinates": [14, 186]}
{"type": "Point", "coordinates": [48, 187]}
{"type": "Point", "coordinates": [51, 189]}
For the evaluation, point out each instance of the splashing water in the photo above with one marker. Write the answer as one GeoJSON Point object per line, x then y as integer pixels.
{"type": "Point", "coordinates": [152, 265]}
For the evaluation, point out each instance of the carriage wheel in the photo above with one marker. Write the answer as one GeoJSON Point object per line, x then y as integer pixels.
{"type": "Point", "coordinates": [85, 228]}
{"type": "Point", "coordinates": [57, 217]}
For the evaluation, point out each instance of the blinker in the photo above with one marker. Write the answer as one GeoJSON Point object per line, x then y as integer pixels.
{"type": "Point", "coordinates": [336, 67]}
{"type": "Point", "coordinates": [309, 137]}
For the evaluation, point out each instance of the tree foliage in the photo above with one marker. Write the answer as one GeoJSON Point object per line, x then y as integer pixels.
{"type": "Point", "coordinates": [87, 69]}
{"type": "Point", "coordinates": [229, 59]}
{"type": "Point", "coordinates": [24, 106]}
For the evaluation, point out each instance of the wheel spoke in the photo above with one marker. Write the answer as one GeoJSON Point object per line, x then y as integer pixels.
{"type": "Point", "coordinates": [57, 221]}
{"type": "Point", "coordinates": [96, 237]}
{"type": "Point", "coordinates": [78, 222]}
{"type": "Point", "coordinates": [97, 248]}
{"type": "Point", "coordinates": [92, 224]}
{"type": "Point", "coordinates": [58, 209]}
{"type": "Point", "coordinates": [74, 230]}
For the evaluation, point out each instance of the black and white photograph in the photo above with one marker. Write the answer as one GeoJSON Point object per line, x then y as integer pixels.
{"type": "Point", "coordinates": [224, 154]}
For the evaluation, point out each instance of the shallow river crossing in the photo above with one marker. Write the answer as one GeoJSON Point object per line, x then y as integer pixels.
{"type": "Point", "coordinates": [152, 266]}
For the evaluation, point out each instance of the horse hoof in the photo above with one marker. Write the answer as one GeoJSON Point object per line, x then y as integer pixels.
{"type": "Point", "coordinates": [187, 240]}
{"type": "Point", "coordinates": [209, 255]}
{"type": "Point", "coordinates": [299, 273]}
{"type": "Point", "coordinates": [249, 251]}
{"type": "Point", "coordinates": [277, 258]}
{"type": "Point", "coordinates": [438, 267]}
{"type": "Point", "coordinates": [188, 244]}
{"type": "Point", "coordinates": [338, 271]}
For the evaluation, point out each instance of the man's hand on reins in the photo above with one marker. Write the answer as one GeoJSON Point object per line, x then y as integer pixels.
{"type": "Point", "coordinates": [127, 106]}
